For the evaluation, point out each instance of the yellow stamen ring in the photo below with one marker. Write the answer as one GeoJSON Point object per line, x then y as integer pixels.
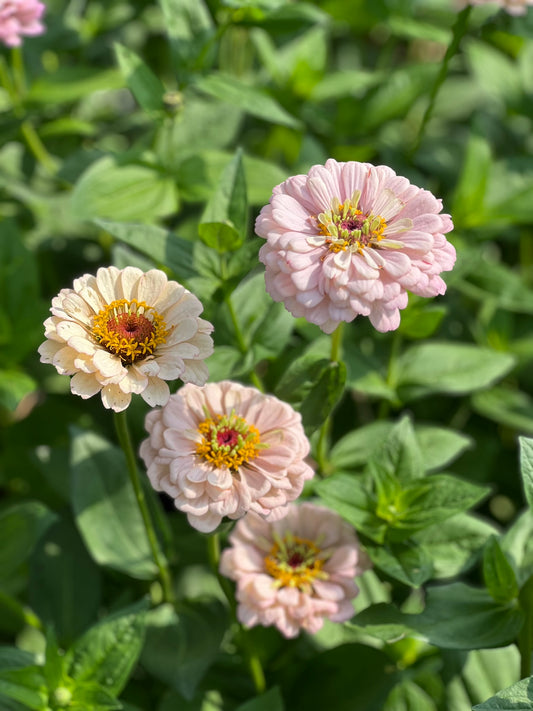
{"type": "Point", "coordinates": [130, 329]}
{"type": "Point", "coordinates": [295, 562]}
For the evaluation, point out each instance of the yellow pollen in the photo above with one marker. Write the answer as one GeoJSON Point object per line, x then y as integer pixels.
{"type": "Point", "coordinates": [130, 329]}
{"type": "Point", "coordinates": [347, 227]}
{"type": "Point", "coordinates": [228, 441]}
{"type": "Point", "coordinates": [295, 562]}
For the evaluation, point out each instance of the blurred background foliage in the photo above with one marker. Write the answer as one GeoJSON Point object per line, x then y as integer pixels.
{"type": "Point", "coordinates": [151, 134]}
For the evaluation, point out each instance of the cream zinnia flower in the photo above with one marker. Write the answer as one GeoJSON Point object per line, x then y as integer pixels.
{"type": "Point", "coordinates": [126, 331]}
{"type": "Point", "coordinates": [226, 449]}
{"type": "Point", "coordinates": [295, 572]}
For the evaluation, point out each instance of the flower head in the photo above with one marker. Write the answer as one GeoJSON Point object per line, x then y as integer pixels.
{"type": "Point", "coordinates": [20, 17]}
{"type": "Point", "coordinates": [127, 331]}
{"type": "Point", "coordinates": [294, 572]}
{"type": "Point", "coordinates": [226, 449]}
{"type": "Point", "coordinates": [513, 7]}
{"type": "Point", "coordinates": [349, 239]}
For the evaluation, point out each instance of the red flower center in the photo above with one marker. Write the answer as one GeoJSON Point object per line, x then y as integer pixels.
{"type": "Point", "coordinates": [131, 326]}
{"type": "Point", "coordinates": [227, 437]}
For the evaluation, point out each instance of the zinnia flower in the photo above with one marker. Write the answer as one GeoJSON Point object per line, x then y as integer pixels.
{"type": "Point", "coordinates": [513, 7]}
{"type": "Point", "coordinates": [349, 239]}
{"type": "Point", "coordinates": [295, 572]}
{"type": "Point", "coordinates": [126, 331]}
{"type": "Point", "coordinates": [20, 17]}
{"type": "Point", "coordinates": [226, 449]}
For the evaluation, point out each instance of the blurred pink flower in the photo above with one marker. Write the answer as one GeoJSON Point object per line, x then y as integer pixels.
{"type": "Point", "coordinates": [295, 572]}
{"type": "Point", "coordinates": [126, 331]}
{"type": "Point", "coordinates": [349, 239]}
{"type": "Point", "coordinates": [513, 7]}
{"type": "Point", "coordinates": [20, 17]}
{"type": "Point", "coordinates": [226, 449]}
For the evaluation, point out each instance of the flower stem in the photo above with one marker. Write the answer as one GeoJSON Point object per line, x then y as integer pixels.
{"type": "Point", "coordinates": [36, 146]}
{"type": "Point", "coordinates": [121, 425]}
{"type": "Point", "coordinates": [458, 31]}
{"type": "Point", "coordinates": [254, 663]}
{"type": "Point", "coordinates": [323, 437]}
{"type": "Point", "coordinates": [385, 405]}
{"type": "Point", "coordinates": [254, 377]}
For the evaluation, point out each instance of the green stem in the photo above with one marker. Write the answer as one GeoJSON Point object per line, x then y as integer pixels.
{"type": "Point", "coordinates": [254, 663]}
{"type": "Point", "coordinates": [323, 437]}
{"type": "Point", "coordinates": [36, 146]}
{"type": "Point", "coordinates": [19, 73]}
{"type": "Point", "coordinates": [20, 612]}
{"type": "Point", "coordinates": [392, 369]}
{"type": "Point", "coordinates": [254, 377]}
{"type": "Point", "coordinates": [458, 31]}
{"type": "Point", "coordinates": [121, 425]}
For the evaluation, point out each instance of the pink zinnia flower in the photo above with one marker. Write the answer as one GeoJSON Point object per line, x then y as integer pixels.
{"type": "Point", "coordinates": [349, 239]}
{"type": "Point", "coordinates": [127, 331]}
{"type": "Point", "coordinates": [295, 572]}
{"type": "Point", "coordinates": [513, 7]}
{"type": "Point", "coordinates": [226, 449]}
{"type": "Point", "coordinates": [20, 17]}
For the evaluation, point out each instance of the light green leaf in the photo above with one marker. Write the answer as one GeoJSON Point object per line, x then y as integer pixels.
{"type": "Point", "coordinates": [470, 192]}
{"type": "Point", "coordinates": [409, 563]}
{"type": "Point", "coordinates": [123, 193]}
{"type": "Point", "coordinates": [453, 368]}
{"type": "Point", "coordinates": [517, 697]}
{"type": "Point", "coordinates": [105, 507]}
{"type": "Point", "coordinates": [247, 97]}
{"type": "Point", "coordinates": [324, 395]}
{"type": "Point", "coordinates": [407, 696]}
{"type": "Point", "coordinates": [526, 467]}
{"type": "Point", "coordinates": [513, 408]}
{"type": "Point", "coordinates": [162, 246]}
{"type": "Point", "coordinates": [189, 26]}
{"type": "Point", "coordinates": [224, 221]}
{"type": "Point", "coordinates": [399, 455]}
{"type": "Point", "coordinates": [73, 83]}
{"type": "Point", "coordinates": [143, 83]}
{"type": "Point", "coordinates": [27, 686]}
{"type": "Point", "coordinates": [107, 652]}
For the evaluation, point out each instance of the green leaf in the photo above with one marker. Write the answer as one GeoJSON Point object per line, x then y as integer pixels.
{"type": "Point", "coordinates": [67, 602]}
{"type": "Point", "coordinates": [398, 456]}
{"type": "Point", "coordinates": [438, 445]}
{"type": "Point", "coordinates": [498, 573]}
{"type": "Point", "coordinates": [123, 193]}
{"type": "Point", "coordinates": [92, 697]}
{"type": "Point", "coordinates": [162, 246]}
{"type": "Point", "coordinates": [324, 395]}
{"type": "Point", "coordinates": [143, 83]}
{"type": "Point", "coordinates": [421, 321]}
{"type": "Point", "coordinates": [349, 496]}
{"type": "Point", "coordinates": [407, 696]}
{"type": "Point", "coordinates": [457, 616]}
{"type": "Point", "coordinates": [454, 545]}
{"type": "Point", "coordinates": [409, 563]}
{"type": "Point", "coordinates": [515, 697]}
{"type": "Point", "coordinates": [453, 368]}
{"type": "Point", "coordinates": [73, 83]}
{"type": "Point", "coordinates": [180, 647]}
{"type": "Point", "coordinates": [189, 26]}
{"type": "Point", "coordinates": [526, 468]}
{"type": "Point", "coordinates": [271, 700]}
{"type": "Point", "coordinates": [512, 408]}
{"type": "Point", "coordinates": [470, 192]}
{"type": "Point", "coordinates": [106, 509]}
{"type": "Point", "coordinates": [26, 686]}
{"type": "Point", "coordinates": [224, 221]}
{"type": "Point", "coordinates": [107, 652]}
{"type": "Point", "coordinates": [356, 676]}
{"type": "Point", "coordinates": [14, 387]}
{"type": "Point", "coordinates": [21, 526]}
{"type": "Point", "coordinates": [15, 658]}
{"type": "Point", "coordinates": [248, 98]}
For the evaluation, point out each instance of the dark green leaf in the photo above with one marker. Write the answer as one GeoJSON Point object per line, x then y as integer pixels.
{"type": "Point", "coordinates": [65, 601]}
{"type": "Point", "coordinates": [325, 393]}
{"type": "Point", "coordinates": [517, 697]}
{"type": "Point", "coordinates": [526, 468]}
{"type": "Point", "coordinates": [269, 701]}
{"type": "Point", "coordinates": [26, 686]}
{"type": "Point", "coordinates": [498, 573]}
{"type": "Point", "coordinates": [409, 563]}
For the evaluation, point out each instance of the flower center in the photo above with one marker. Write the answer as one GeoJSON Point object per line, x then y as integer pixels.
{"type": "Point", "coordinates": [130, 329]}
{"type": "Point", "coordinates": [346, 227]}
{"type": "Point", "coordinates": [295, 562]}
{"type": "Point", "coordinates": [228, 441]}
